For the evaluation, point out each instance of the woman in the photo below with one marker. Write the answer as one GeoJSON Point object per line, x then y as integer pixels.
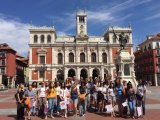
{"type": "Point", "coordinates": [42, 100]}
{"type": "Point", "coordinates": [30, 94]}
{"type": "Point", "coordinates": [58, 89]}
{"type": "Point", "coordinates": [141, 95]}
{"type": "Point", "coordinates": [119, 90]}
{"type": "Point", "coordinates": [74, 97]}
{"type": "Point", "coordinates": [130, 94]}
{"type": "Point", "coordinates": [111, 97]}
{"type": "Point", "coordinates": [63, 97]}
{"type": "Point", "coordinates": [35, 90]}
{"type": "Point", "coordinates": [68, 84]}
{"type": "Point", "coordinates": [52, 98]}
{"type": "Point", "coordinates": [20, 102]}
{"type": "Point", "coordinates": [100, 97]}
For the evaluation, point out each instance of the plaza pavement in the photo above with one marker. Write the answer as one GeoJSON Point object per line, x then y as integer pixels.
{"type": "Point", "coordinates": [8, 107]}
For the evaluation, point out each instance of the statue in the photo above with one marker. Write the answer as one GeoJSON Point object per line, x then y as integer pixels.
{"type": "Point", "coordinates": [122, 39]}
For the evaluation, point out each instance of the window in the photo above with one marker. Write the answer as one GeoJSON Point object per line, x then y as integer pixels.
{"type": "Point", "coordinates": [114, 39]}
{"type": "Point", "coordinates": [3, 70]}
{"type": "Point", "coordinates": [104, 58]}
{"type": "Point", "coordinates": [3, 62]}
{"type": "Point", "coordinates": [60, 58]}
{"type": "Point", "coordinates": [35, 38]}
{"type": "Point", "coordinates": [81, 19]}
{"type": "Point", "coordinates": [157, 45]}
{"type": "Point", "coordinates": [42, 38]}
{"type": "Point", "coordinates": [41, 74]}
{"type": "Point", "coordinates": [149, 47]}
{"type": "Point", "coordinates": [71, 57]}
{"type": "Point", "coordinates": [42, 59]}
{"type": "Point", "coordinates": [48, 39]}
{"type": "Point", "coordinates": [158, 60]}
{"type": "Point", "coordinates": [93, 57]}
{"type": "Point", "coordinates": [82, 57]}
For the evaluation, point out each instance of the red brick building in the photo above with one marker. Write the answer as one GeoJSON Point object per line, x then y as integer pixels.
{"type": "Point", "coordinates": [9, 65]}
{"type": "Point", "coordinates": [147, 60]}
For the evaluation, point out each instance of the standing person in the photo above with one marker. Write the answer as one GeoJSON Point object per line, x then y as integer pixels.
{"type": "Point", "coordinates": [68, 84]}
{"type": "Point", "coordinates": [52, 98]}
{"type": "Point", "coordinates": [35, 90]}
{"type": "Point", "coordinates": [141, 95]}
{"type": "Point", "coordinates": [111, 97]}
{"type": "Point", "coordinates": [119, 90]}
{"type": "Point", "coordinates": [20, 102]}
{"type": "Point", "coordinates": [82, 96]}
{"type": "Point", "coordinates": [42, 100]}
{"type": "Point", "coordinates": [125, 108]}
{"type": "Point", "coordinates": [74, 97]}
{"type": "Point", "coordinates": [63, 97]}
{"type": "Point", "coordinates": [58, 89]}
{"type": "Point", "coordinates": [100, 98]}
{"type": "Point", "coordinates": [131, 97]}
{"type": "Point", "coordinates": [31, 95]}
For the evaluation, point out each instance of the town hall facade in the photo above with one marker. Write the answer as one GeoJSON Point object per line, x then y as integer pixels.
{"type": "Point", "coordinates": [80, 55]}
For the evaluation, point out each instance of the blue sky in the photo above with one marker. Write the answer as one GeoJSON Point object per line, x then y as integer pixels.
{"type": "Point", "coordinates": [15, 16]}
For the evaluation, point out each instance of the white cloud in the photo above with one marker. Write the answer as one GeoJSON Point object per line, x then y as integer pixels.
{"type": "Point", "coordinates": [152, 17]}
{"type": "Point", "coordinates": [14, 33]}
{"type": "Point", "coordinates": [103, 14]}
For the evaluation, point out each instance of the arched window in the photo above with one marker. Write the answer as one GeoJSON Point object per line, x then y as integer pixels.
{"type": "Point", "coordinates": [93, 57]}
{"type": "Point", "coordinates": [35, 38]}
{"type": "Point", "coordinates": [82, 57]}
{"type": "Point", "coordinates": [104, 58]}
{"type": "Point", "coordinates": [60, 58]}
{"type": "Point", "coordinates": [71, 57]}
{"type": "Point", "coordinates": [48, 39]}
{"type": "Point", "coordinates": [42, 38]}
{"type": "Point", "coordinates": [114, 39]}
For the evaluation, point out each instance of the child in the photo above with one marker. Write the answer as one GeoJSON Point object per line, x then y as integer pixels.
{"type": "Point", "coordinates": [46, 109]}
{"type": "Point", "coordinates": [82, 110]}
{"type": "Point", "coordinates": [110, 108]}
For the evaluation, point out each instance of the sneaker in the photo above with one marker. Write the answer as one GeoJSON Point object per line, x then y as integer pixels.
{"type": "Point", "coordinates": [52, 117]}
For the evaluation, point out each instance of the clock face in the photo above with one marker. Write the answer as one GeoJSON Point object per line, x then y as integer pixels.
{"type": "Point", "coordinates": [81, 27]}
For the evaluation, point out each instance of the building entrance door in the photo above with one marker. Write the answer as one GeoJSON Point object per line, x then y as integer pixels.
{"type": "Point", "coordinates": [84, 74]}
{"type": "Point", "coordinates": [95, 73]}
{"type": "Point", "coordinates": [71, 73]}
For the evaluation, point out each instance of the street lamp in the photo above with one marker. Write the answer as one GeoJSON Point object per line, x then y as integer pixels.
{"type": "Point", "coordinates": [41, 69]}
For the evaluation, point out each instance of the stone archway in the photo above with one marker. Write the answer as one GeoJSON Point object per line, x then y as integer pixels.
{"type": "Point", "coordinates": [105, 73]}
{"type": "Point", "coordinates": [71, 73]}
{"type": "Point", "coordinates": [95, 73]}
{"type": "Point", "coordinates": [84, 74]}
{"type": "Point", "coordinates": [60, 76]}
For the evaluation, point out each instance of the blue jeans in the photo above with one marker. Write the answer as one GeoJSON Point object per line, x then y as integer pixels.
{"type": "Point", "coordinates": [51, 104]}
{"type": "Point", "coordinates": [132, 106]}
{"type": "Point", "coordinates": [82, 107]}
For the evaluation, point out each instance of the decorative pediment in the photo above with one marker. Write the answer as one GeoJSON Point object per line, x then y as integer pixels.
{"type": "Point", "coordinates": [42, 51]}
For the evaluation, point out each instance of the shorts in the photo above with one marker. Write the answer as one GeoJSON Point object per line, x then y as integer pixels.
{"type": "Point", "coordinates": [113, 98]}
{"type": "Point", "coordinates": [74, 100]}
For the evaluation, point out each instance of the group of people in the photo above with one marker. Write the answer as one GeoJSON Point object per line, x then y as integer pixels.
{"type": "Point", "coordinates": [77, 97]}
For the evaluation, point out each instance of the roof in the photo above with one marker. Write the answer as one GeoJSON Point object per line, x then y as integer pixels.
{"type": "Point", "coordinates": [151, 38]}
{"type": "Point", "coordinates": [5, 46]}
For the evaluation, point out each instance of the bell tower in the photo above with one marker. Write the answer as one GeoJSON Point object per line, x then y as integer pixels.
{"type": "Point", "coordinates": [81, 21]}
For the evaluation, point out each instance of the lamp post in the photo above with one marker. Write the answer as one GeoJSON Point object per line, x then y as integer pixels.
{"type": "Point", "coordinates": [42, 69]}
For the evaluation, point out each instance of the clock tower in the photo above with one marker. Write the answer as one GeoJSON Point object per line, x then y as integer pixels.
{"type": "Point", "coordinates": [81, 21]}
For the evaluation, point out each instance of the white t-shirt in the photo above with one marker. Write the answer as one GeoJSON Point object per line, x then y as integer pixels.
{"type": "Point", "coordinates": [58, 89]}
{"type": "Point", "coordinates": [141, 89]}
{"type": "Point", "coordinates": [111, 92]}
{"type": "Point", "coordinates": [102, 89]}
{"type": "Point", "coordinates": [42, 92]}
{"type": "Point", "coordinates": [64, 93]}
